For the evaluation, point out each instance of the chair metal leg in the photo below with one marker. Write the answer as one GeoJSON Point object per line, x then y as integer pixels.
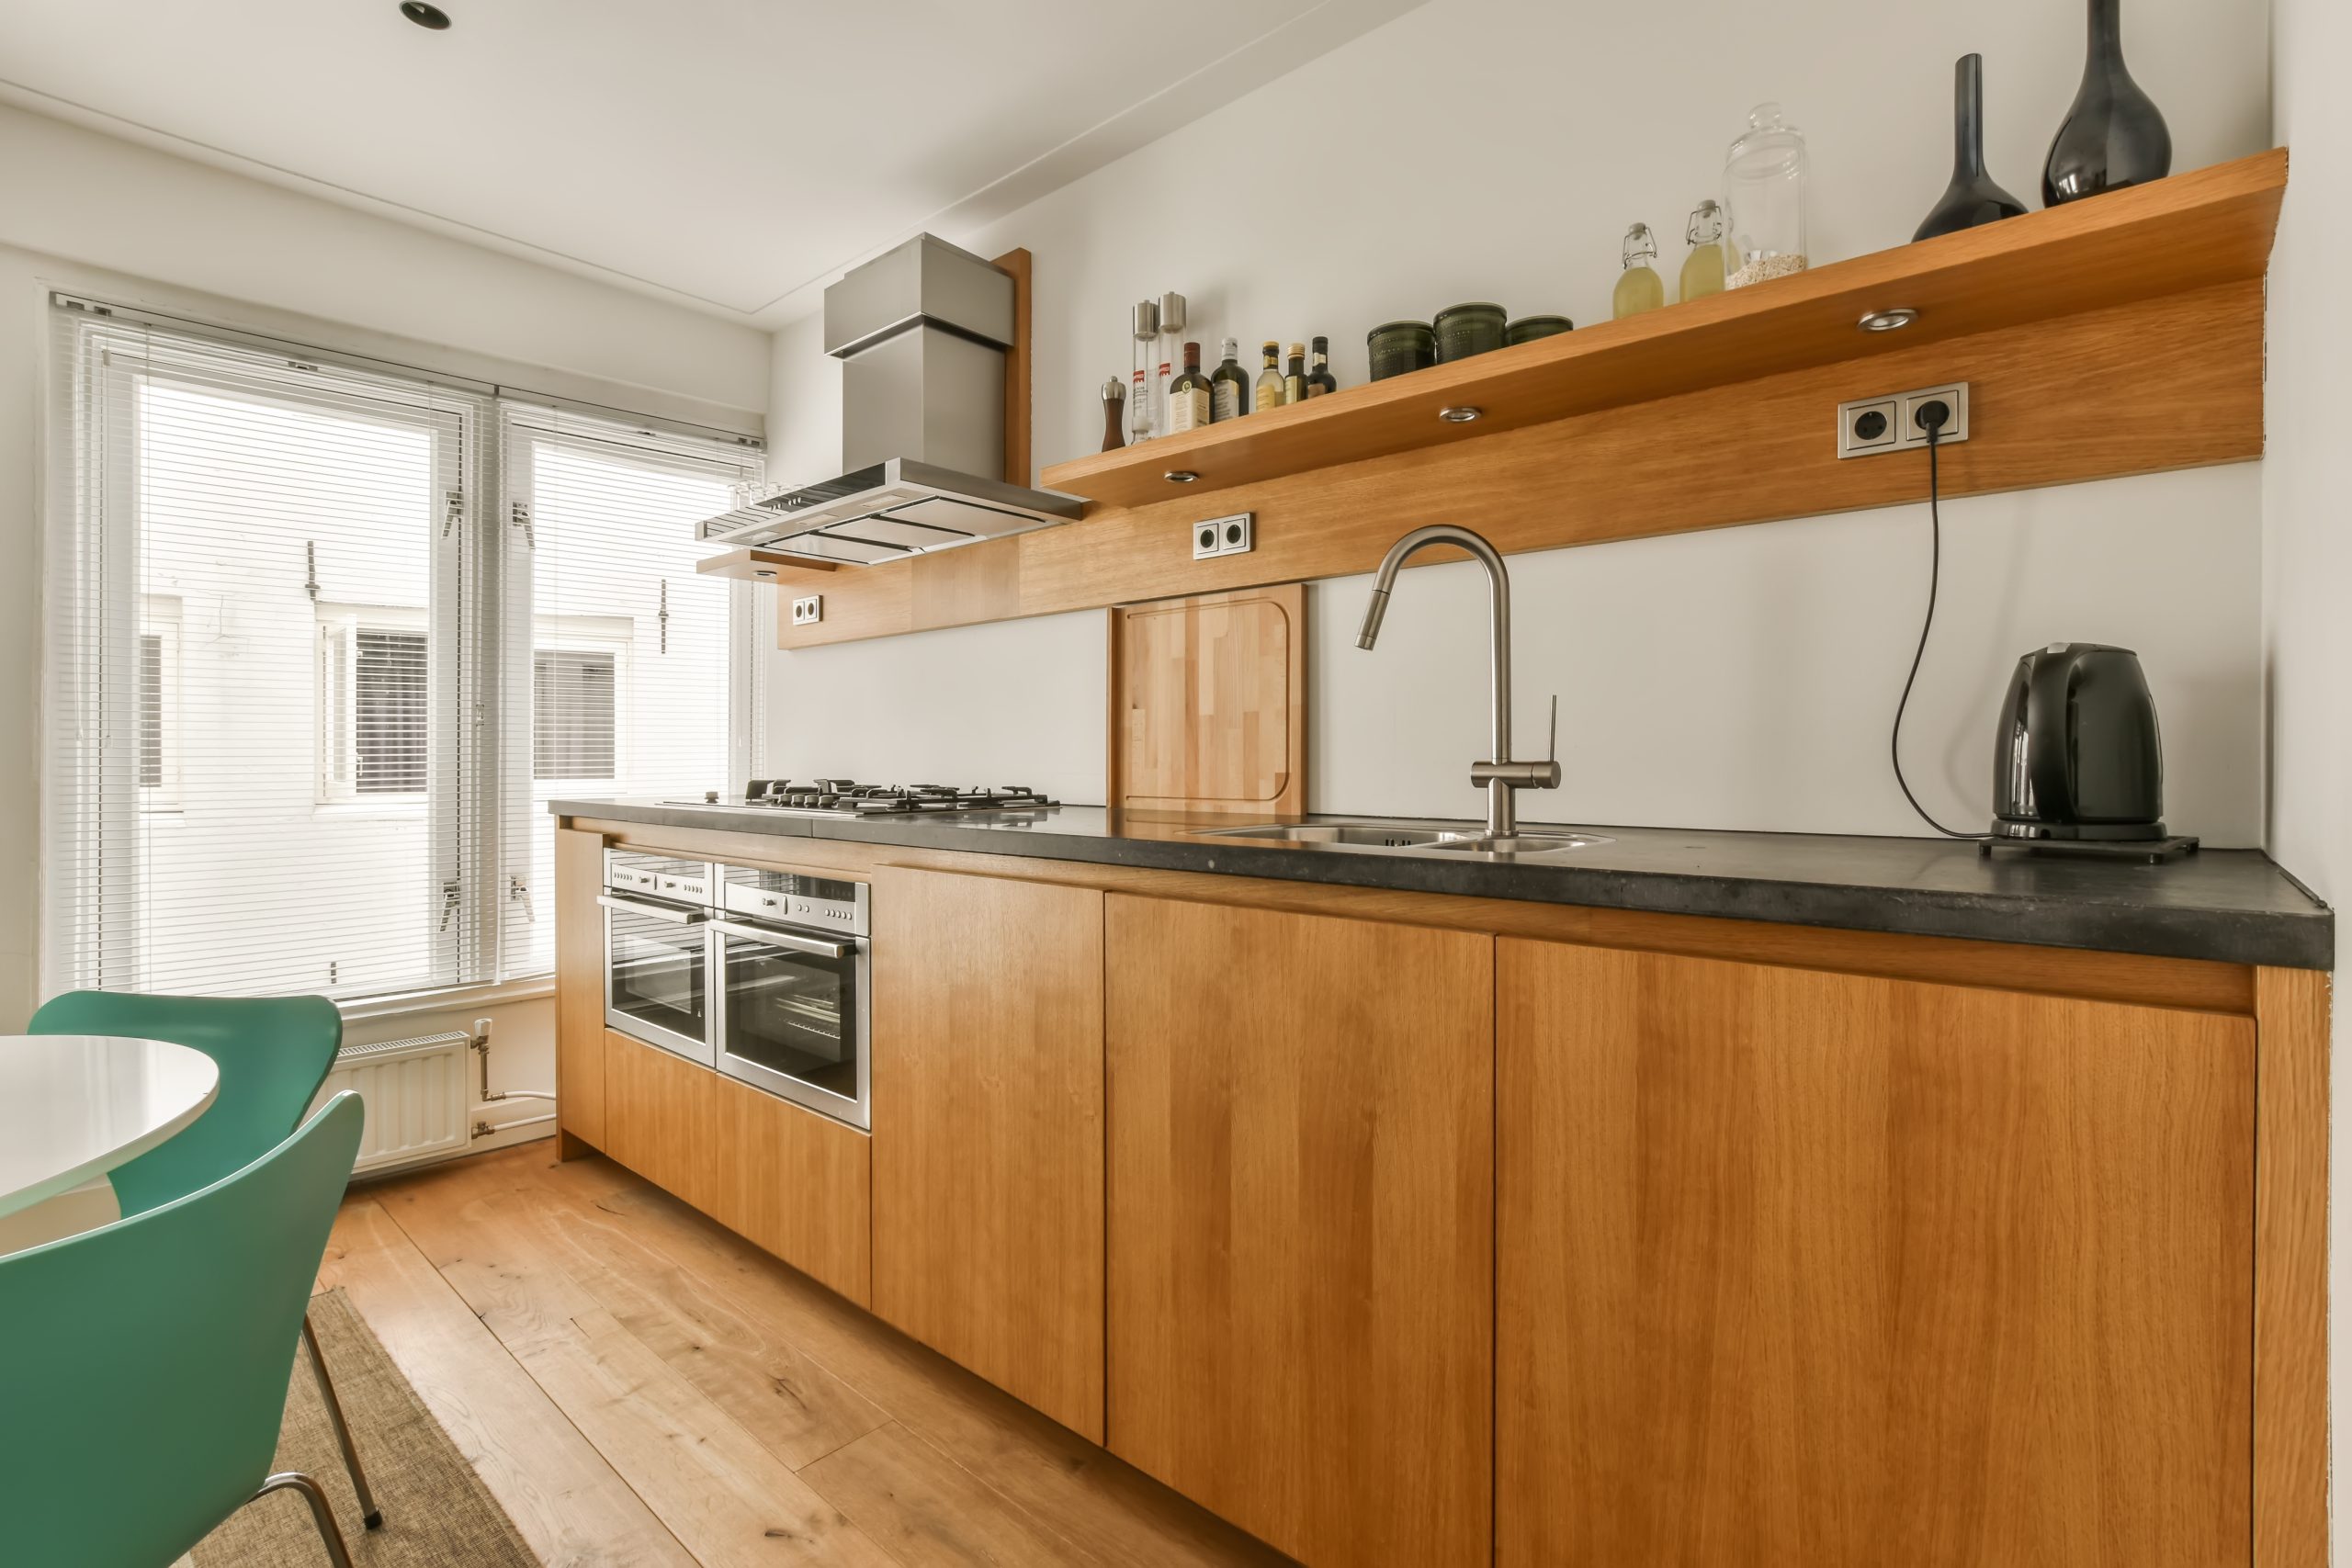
{"type": "Point", "coordinates": [370, 1515]}
{"type": "Point", "coordinates": [322, 1511]}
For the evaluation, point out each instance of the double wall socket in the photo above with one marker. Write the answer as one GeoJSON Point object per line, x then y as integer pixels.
{"type": "Point", "coordinates": [1222, 537]}
{"type": "Point", "coordinates": [809, 611]}
{"type": "Point", "coordinates": [1868, 426]}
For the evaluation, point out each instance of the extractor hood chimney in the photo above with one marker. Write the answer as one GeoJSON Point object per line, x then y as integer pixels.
{"type": "Point", "coordinates": [922, 333]}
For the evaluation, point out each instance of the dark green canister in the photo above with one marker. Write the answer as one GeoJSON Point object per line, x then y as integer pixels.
{"type": "Point", "coordinates": [1465, 330]}
{"type": "Point", "coordinates": [1399, 348]}
{"type": "Point", "coordinates": [1527, 329]}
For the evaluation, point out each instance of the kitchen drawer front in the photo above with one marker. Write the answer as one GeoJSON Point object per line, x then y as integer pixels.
{"type": "Point", "coordinates": [659, 1113]}
{"type": "Point", "coordinates": [797, 1183]}
{"type": "Point", "coordinates": [1798, 1267]}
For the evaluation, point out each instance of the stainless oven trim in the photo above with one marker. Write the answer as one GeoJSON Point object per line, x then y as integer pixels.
{"type": "Point", "coordinates": [676, 914]}
{"type": "Point", "coordinates": [622, 875]}
{"type": "Point", "coordinates": [859, 1112]}
{"type": "Point", "coordinates": [822, 946]}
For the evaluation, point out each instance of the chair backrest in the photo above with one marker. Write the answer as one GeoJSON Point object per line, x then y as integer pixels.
{"type": "Point", "coordinates": [273, 1052]}
{"type": "Point", "coordinates": [144, 1365]}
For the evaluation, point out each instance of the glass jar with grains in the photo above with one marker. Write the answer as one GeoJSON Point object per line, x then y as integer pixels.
{"type": "Point", "coordinates": [1764, 179]}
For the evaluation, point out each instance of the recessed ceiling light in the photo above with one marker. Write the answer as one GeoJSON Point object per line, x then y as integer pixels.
{"type": "Point", "coordinates": [1891, 321]}
{"type": "Point", "coordinates": [425, 16]}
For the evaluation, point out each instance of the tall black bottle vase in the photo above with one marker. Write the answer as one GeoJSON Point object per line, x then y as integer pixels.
{"type": "Point", "coordinates": [2113, 136]}
{"type": "Point", "coordinates": [1972, 198]}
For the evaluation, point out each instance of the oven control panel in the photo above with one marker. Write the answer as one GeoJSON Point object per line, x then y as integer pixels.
{"type": "Point", "coordinates": [679, 881]}
{"type": "Point", "coordinates": [792, 898]}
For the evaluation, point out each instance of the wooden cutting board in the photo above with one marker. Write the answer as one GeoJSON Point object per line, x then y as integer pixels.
{"type": "Point", "coordinates": [1208, 703]}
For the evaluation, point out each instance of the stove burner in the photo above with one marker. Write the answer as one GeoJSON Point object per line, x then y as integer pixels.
{"type": "Point", "coordinates": [847, 797]}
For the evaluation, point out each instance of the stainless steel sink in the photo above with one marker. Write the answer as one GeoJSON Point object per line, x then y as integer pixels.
{"type": "Point", "coordinates": [1337, 835]}
{"type": "Point", "coordinates": [1380, 836]}
{"type": "Point", "coordinates": [1520, 843]}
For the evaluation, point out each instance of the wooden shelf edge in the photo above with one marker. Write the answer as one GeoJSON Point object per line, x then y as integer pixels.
{"type": "Point", "coordinates": [754, 565]}
{"type": "Point", "coordinates": [2178, 235]}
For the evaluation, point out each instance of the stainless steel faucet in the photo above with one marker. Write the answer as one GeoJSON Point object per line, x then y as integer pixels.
{"type": "Point", "coordinates": [1500, 776]}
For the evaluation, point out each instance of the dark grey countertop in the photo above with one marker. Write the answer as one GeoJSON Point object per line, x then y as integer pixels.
{"type": "Point", "coordinates": [2235, 905]}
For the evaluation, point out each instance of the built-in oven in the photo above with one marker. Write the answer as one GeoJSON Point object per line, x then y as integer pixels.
{"type": "Point", "coordinates": [794, 980]}
{"type": "Point", "coordinates": [658, 986]}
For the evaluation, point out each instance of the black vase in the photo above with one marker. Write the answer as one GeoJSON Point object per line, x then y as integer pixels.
{"type": "Point", "coordinates": [1972, 198]}
{"type": "Point", "coordinates": [2113, 136]}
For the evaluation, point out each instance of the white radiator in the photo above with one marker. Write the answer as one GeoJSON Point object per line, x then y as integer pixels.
{"type": "Point", "coordinates": [417, 1094]}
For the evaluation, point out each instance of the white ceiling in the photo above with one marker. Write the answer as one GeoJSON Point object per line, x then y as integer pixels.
{"type": "Point", "coordinates": [731, 154]}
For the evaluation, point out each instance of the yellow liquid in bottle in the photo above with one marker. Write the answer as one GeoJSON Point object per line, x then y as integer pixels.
{"type": "Point", "coordinates": [1702, 271]}
{"type": "Point", "coordinates": [1639, 289]}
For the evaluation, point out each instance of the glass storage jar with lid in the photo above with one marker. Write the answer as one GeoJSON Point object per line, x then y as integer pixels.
{"type": "Point", "coordinates": [1764, 180]}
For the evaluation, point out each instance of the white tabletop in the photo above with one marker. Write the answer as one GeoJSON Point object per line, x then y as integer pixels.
{"type": "Point", "coordinates": [75, 1106]}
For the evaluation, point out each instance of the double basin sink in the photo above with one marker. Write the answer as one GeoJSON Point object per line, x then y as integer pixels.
{"type": "Point", "coordinates": [1379, 836]}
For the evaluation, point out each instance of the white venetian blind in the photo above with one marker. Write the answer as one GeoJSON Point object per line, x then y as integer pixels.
{"type": "Point", "coordinates": [321, 640]}
{"type": "Point", "coordinates": [256, 776]}
{"type": "Point", "coordinates": [620, 648]}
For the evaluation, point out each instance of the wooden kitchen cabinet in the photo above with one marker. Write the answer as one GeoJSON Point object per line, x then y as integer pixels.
{"type": "Point", "coordinates": [987, 1129]}
{"type": "Point", "coordinates": [659, 1112]}
{"type": "Point", "coordinates": [1799, 1267]}
{"type": "Point", "coordinates": [796, 1183]}
{"type": "Point", "coordinates": [1301, 1224]}
{"type": "Point", "coordinates": [579, 986]}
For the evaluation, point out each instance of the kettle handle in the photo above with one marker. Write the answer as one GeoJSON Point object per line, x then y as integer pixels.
{"type": "Point", "coordinates": [2045, 735]}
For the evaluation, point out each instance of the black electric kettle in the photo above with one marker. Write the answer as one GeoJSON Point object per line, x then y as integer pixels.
{"type": "Point", "coordinates": [2077, 756]}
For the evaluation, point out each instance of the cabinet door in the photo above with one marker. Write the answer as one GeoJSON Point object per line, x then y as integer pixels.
{"type": "Point", "coordinates": [659, 1117]}
{"type": "Point", "coordinates": [795, 1182]}
{"type": "Point", "coordinates": [579, 984]}
{"type": "Point", "coordinates": [987, 1129]}
{"type": "Point", "coordinates": [1809, 1268]}
{"type": "Point", "coordinates": [1302, 1225]}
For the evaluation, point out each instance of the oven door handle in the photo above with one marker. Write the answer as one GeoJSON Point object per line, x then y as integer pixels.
{"type": "Point", "coordinates": [677, 916]}
{"type": "Point", "coordinates": [818, 945]}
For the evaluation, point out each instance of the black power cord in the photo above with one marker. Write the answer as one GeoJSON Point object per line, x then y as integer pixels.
{"type": "Point", "coordinates": [1932, 417]}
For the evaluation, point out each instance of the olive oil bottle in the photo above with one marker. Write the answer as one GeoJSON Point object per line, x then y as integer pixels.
{"type": "Point", "coordinates": [1188, 394]}
{"type": "Point", "coordinates": [1639, 287]}
{"type": "Point", "coordinates": [1319, 379]}
{"type": "Point", "coordinates": [1228, 385]}
{"type": "Point", "coordinates": [1295, 379]}
{"type": "Point", "coordinates": [1704, 269]}
{"type": "Point", "coordinates": [1269, 380]}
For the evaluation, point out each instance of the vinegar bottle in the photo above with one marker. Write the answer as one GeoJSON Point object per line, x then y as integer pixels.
{"type": "Point", "coordinates": [1639, 287]}
{"type": "Point", "coordinates": [1702, 269]}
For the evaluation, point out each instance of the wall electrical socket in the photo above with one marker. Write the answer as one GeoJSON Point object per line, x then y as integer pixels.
{"type": "Point", "coordinates": [1223, 536]}
{"type": "Point", "coordinates": [809, 611]}
{"type": "Point", "coordinates": [1868, 426]}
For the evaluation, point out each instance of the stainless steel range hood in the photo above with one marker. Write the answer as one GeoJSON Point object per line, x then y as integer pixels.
{"type": "Point", "coordinates": [921, 332]}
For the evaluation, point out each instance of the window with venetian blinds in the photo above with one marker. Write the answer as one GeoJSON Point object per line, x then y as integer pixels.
{"type": "Point", "coordinates": [322, 640]}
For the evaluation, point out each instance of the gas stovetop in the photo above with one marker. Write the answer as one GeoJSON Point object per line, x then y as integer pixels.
{"type": "Point", "coordinates": [847, 797]}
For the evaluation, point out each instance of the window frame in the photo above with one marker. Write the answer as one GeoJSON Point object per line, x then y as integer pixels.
{"type": "Point", "coordinates": [615, 635]}
{"type": "Point", "coordinates": [160, 616]}
{"type": "Point", "coordinates": [334, 720]}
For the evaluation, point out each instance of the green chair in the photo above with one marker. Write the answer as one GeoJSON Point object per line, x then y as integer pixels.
{"type": "Point", "coordinates": [144, 1365]}
{"type": "Point", "coordinates": [272, 1054]}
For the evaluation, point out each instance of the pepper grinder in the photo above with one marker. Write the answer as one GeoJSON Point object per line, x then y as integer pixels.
{"type": "Point", "coordinates": [1114, 416]}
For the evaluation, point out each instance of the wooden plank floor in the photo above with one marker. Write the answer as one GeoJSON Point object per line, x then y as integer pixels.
{"type": "Point", "coordinates": [640, 1387]}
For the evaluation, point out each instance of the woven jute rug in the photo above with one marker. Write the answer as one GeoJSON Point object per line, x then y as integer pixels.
{"type": "Point", "coordinates": [437, 1513]}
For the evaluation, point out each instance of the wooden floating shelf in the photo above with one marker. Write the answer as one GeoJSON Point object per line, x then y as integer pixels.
{"type": "Point", "coordinates": [755, 565]}
{"type": "Point", "coordinates": [2140, 314]}
{"type": "Point", "coordinates": [2186, 233]}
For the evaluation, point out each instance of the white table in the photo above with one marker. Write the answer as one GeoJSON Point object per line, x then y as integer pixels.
{"type": "Point", "coordinates": [74, 1107]}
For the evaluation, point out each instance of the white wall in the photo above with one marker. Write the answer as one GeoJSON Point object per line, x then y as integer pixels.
{"type": "Point", "coordinates": [2308, 550]}
{"type": "Point", "coordinates": [90, 214]}
{"type": "Point", "coordinates": [1496, 149]}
